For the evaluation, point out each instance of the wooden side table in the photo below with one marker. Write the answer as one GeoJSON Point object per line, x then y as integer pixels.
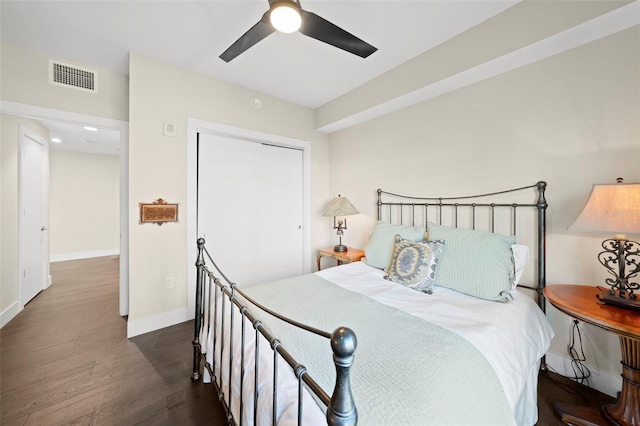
{"type": "Point", "coordinates": [580, 302]}
{"type": "Point", "coordinates": [351, 255]}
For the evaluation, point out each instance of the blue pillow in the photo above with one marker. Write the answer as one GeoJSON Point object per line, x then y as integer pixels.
{"type": "Point", "coordinates": [476, 263]}
{"type": "Point", "coordinates": [382, 241]}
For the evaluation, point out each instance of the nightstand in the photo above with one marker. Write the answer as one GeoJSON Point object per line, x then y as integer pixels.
{"type": "Point", "coordinates": [580, 302]}
{"type": "Point", "coordinates": [351, 255]}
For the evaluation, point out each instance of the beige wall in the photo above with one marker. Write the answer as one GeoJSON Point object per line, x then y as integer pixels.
{"type": "Point", "coordinates": [572, 120]}
{"type": "Point", "coordinates": [159, 93]}
{"type": "Point", "coordinates": [25, 79]}
{"type": "Point", "coordinates": [499, 35]}
{"type": "Point", "coordinates": [84, 204]}
{"type": "Point", "coordinates": [9, 205]}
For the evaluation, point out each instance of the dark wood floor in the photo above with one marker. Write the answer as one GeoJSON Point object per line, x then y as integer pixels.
{"type": "Point", "coordinates": [65, 360]}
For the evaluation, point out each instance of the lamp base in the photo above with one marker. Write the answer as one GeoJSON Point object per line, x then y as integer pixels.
{"type": "Point", "coordinates": [613, 298]}
{"type": "Point", "coordinates": [340, 248]}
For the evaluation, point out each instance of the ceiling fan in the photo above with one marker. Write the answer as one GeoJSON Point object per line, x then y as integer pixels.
{"type": "Point", "coordinates": [287, 16]}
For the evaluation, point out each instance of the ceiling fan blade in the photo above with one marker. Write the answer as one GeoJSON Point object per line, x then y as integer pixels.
{"type": "Point", "coordinates": [256, 33]}
{"type": "Point", "coordinates": [319, 28]}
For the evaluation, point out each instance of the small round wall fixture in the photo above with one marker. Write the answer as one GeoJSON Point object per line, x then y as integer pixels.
{"type": "Point", "coordinates": [256, 103]}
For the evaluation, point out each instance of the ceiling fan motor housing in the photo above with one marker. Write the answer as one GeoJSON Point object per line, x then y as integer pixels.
{"type": "Point", "coordinates": [285, 15]}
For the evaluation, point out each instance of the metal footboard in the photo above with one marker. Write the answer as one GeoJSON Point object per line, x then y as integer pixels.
{"type": "Point", "coordinates": [216, 294]}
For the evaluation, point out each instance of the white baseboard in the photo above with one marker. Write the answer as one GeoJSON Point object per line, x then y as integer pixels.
{"type": "Point", "coordinates": [139, 326]}
{"type": "Point", "coordinates": [9, 313]}
{"type": "Point", "coordinates": [600, 380]}
{"type": "Point", "coordinates": [84, 255]}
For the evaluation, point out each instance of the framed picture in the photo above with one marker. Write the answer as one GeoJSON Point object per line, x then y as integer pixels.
{"type": "Point", "coordinates": [158, 212]}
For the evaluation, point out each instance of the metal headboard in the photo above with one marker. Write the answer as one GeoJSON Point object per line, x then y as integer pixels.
{"type": "Point", "coordinates": [483, 211]}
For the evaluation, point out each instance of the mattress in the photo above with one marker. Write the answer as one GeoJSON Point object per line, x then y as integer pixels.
{"type": "Point", "coordinates": [512, 337]}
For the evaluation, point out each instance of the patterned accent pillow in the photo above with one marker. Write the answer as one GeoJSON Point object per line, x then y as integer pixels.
{"type": "Point", "coordinates": [414, 263]}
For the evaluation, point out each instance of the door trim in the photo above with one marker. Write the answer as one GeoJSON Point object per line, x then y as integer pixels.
{"type": "Point", "coordinates": [194, 126]}
{"type": "Point", "coordinates": [33, 111]}
{"type": "Point", "coordinates": [25, 133]}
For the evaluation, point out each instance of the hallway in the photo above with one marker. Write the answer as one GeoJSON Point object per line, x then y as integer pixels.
{"type": "Point", "coordinates": [65, 359]}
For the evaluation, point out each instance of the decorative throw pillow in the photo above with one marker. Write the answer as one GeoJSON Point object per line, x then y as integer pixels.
{"type": "Point", "coordinates": [379, 250]}
{"type": "Point", "coordinates": [476, 263]}
{"type": "Point", "coordinates": [414, 263]}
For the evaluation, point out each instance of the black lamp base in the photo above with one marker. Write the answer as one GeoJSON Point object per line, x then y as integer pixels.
{"type": "Point", "coordinates": [340, 248]}
{"type": "Point", "coordinates": [610, 297]}
{"type": "Point", "coordinates": [618, 255]}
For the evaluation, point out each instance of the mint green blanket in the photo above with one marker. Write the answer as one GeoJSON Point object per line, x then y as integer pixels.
{"type": "Point", "coordinates": [406, 371]}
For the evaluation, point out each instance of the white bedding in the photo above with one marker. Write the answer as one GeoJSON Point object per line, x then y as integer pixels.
{"type": "Point", "coordinates": [512, 336]}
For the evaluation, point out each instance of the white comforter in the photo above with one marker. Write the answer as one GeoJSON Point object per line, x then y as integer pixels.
{"type": "Point", "coordinates": [511, 336]}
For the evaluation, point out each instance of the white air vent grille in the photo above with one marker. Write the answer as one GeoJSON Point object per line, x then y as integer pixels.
{"type": "Point", "coordinates": [72, 76]}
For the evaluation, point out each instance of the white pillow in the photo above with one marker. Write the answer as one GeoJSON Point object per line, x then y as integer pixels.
{"type": "Point", "coordinates": [520, 260]}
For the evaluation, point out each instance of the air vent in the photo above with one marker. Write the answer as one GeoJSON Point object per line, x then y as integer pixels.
{"type": "Point", "coordinates": [72, 76]}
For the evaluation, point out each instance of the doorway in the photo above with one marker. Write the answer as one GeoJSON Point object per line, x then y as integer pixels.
{"type": "Point", "coordinates": [41, 113]}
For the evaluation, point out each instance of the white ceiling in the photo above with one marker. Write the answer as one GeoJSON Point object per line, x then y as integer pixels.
{"type": "Point", "coordinates": [76, 138]}
{"type": "Point", "coordinates": [192, 34]}
{"type": "Point", "coordinates": [293, 67]}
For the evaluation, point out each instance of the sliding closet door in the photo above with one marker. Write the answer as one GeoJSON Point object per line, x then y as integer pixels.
{"type": "Point", "coordinates": [250, 208]}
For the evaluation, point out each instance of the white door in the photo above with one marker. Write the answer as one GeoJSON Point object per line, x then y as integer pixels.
{"type": "Point", "coordinates": [33, 215]}
{"type": "Point", "coordinates": [250, 208]}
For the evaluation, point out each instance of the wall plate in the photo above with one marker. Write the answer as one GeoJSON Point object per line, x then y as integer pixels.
{"type": "Point", "coordinates": [169, 129]}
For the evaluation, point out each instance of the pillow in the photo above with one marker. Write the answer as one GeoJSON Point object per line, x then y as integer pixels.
{"type": "Point", "coordinates": [414, 263]}
{"type": "Point", "coordinates": [476, 263]}
{"type": "Point", "coordinates": [382, 240]}
{"type": "Point", "coordinates": [520, 260]}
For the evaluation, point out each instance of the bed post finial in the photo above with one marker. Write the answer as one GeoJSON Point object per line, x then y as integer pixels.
{"type": "Point", "coordinates": [195, 376]}
{"type": "Point", "coordinates": [542, 186]}
{"type": "Point", "coordinates": [342, 410]}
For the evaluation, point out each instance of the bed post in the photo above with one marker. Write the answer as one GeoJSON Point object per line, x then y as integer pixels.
{"type": "Point", "coordinates": [541, 205]}
{"type": "Point", "coordinates": [379, 204]}
{"type": "Point", "coordinates": [342, 410]}
{"type": "Point", "coordinates": [198, 318]}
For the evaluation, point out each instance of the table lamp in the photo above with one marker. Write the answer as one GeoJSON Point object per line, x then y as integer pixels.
{"type": "Point", "coordinates": [340, 206]}
{"type": "Point", "coordinates": [615, 209]}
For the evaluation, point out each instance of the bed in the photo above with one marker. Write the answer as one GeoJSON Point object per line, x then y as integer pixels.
{"type": "Point", "coordinates": [442, 324]}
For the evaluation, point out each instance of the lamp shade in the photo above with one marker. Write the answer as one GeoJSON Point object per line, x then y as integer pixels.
{"type": "Point", "coordinates": [340, 206]}
{"type": "Point", "coordinates": [613, 208]}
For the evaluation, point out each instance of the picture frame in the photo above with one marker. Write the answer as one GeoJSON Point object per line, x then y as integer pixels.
{"type": "Point", "coordinates": [158, 212]}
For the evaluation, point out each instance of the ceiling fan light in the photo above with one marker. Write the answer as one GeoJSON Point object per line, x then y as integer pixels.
{"type": "Point", "coordinates": [285, 18]}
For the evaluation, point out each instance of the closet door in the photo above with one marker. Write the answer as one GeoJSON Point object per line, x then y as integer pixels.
{"type": "Point", "coordinates": [250, 208]}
